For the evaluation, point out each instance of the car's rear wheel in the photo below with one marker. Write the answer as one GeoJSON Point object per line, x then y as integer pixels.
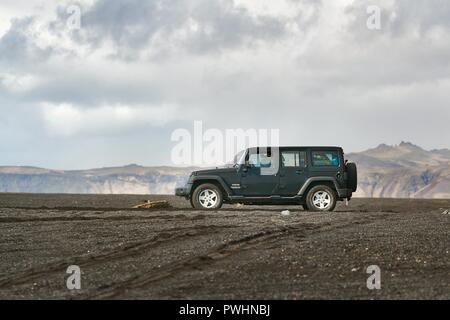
{"type": "Point", "coordinates": [207, 197]}
{"type": "Point", "coordinates": [321, 198]}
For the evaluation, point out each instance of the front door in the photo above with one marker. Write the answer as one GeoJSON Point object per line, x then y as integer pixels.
{"type": "Point", "coordinates": [260, 177]}
{"type": "Point", "coordinates": [293, 171]}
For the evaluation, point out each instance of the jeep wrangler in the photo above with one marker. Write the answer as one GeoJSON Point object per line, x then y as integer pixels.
{"type": "Point", "coordinates": [314, 177]}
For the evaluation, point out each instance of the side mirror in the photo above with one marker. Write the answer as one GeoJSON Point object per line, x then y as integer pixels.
{"type": "Point", "coordinates": [245, 166]}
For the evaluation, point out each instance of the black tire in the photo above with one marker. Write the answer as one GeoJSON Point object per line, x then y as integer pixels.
{"type": "Point", "coordinates": [215, 196]}
{"type": "Point", "coordinates": [305, 207]}
{"type": "Point", "coordinates": [352, 174]}
{"type": "Point", "coordinates": [325, 204]}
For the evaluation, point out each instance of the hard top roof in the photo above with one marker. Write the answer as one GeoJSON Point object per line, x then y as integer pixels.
{"type": "Point", "coordinates": [302, 147]}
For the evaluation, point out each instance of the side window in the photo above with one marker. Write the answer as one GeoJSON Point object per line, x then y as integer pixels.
{"type": "Point", "coordinates": [260, 158]}
{"type": "Point", "coordinates": [325, 159]}
{"type": "Point", "coordinates": [293, 158]}
{"type": "Point", "coordinates": [253, 160]}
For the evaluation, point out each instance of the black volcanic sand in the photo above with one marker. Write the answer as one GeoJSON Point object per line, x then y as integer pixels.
{"type": "Point", "coordinates": [234, 253]}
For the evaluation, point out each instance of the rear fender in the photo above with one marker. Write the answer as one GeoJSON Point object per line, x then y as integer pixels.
{"type": "Point", "coordinates": [312, 180]}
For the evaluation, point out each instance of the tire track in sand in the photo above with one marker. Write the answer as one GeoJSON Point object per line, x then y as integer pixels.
{"type": "Point", "coordinates": [196, 262]}
{"type": "Point", "coordinates": [134, 249]}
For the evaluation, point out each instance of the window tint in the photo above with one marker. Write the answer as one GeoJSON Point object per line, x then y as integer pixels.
{"type": "Point", "coordinates": [325, 159]}
{"type": "Point", "coordinates": [260, 159]}
{"type": "Point", "coordinates": [293, 158]}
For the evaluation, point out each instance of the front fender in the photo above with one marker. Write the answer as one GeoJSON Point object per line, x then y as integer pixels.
{"type": "Point", "coordinates": [199, 179]}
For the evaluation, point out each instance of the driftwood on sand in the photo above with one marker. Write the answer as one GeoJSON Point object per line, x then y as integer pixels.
{"type": "Point", "coordinates": [147, 204]}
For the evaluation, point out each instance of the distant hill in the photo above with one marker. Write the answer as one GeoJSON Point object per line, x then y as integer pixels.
{"type": "Point", "coordinates": [399, 171]}
{"type": "Point", "coordinates": [403, 171]}
{"type": "Point", "coordinates": [132, 179]}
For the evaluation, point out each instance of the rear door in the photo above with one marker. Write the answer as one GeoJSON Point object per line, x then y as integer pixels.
{"type": "Point", "coordinates": [293, 171]}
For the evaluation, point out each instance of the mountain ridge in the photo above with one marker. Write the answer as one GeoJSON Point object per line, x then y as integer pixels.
{"type": "Point", "coordinates": [403, 171]}
{"type": "Point", "coordinates": [395, 171]}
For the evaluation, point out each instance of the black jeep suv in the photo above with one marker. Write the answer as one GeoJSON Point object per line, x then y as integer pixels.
{"type": "Point", "coordinates": [314, 177]}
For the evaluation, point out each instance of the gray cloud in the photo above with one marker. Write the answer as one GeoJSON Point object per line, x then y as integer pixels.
{"type": "Point", "coordinates": [230, 27]}
{"type": "Point", "coordinates": [311, 69]}
{"type": "Point", "coordinates": [424, 14]}
{"type": "Point", "coordinates": [199, 26]}
{"type": "Point", "coordinates": [18, 45]}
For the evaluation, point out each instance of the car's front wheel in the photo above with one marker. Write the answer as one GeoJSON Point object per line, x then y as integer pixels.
{"type": "Point", "coordinates": [321, 198]}
{"type": "Point", "coordinates": [207, 197]}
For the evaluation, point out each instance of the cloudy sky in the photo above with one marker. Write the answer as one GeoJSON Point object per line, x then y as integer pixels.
{"type": "Point", "coordinates": [112, 91]}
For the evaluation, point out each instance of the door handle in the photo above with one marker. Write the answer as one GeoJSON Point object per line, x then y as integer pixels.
{"type": "Point", "coordinates": [299, 171]}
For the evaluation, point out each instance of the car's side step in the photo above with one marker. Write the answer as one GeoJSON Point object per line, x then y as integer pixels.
{"type": "Point", "coordinates": [263, 198]}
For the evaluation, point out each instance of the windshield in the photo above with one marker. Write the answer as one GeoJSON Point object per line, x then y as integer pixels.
{"type": "Point", "coordinates": [238, 159]}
